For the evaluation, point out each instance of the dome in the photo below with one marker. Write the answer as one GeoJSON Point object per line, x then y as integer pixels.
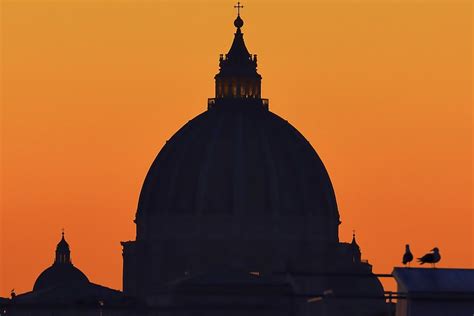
{"type": "Point", "coordinates": [237, 187]}
{"type": "Point", "coordinates": [60, 274]}
{"type": "Point", "coordinates": [238, 160]}
{"type": "Point", "coordinates": [241, 160]}
{"type": "Point", "coordinates": [239, 190]}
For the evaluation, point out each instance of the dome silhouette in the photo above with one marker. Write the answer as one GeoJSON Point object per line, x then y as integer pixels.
{"type": "Point", "coordinates": [239, 190]}
{"type": "Point", "coordinates": [62, 271]}
{"type": "Point", "coordinates": [240, 160]}
{"type": "Point", "coordinates": [60, 274]}
{"type": "Point", "coordinates": [236, 187]}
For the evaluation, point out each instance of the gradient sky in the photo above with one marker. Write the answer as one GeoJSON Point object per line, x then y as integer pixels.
{"type": "Point", "coordinates": [91, 90]}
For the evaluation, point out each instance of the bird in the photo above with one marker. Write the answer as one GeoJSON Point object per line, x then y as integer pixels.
{"type": "Point", "coordinates": [407, 256]}
{"type": "Point", "coordinates": [432, 257]}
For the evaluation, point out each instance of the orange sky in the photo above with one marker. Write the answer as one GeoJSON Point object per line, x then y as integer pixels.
{"type": "Point", "coordinates": [91, 90]}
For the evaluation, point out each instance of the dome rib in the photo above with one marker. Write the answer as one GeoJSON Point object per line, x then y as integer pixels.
{"type": "Point", "coordinates": [150, 192]}
{"type": "Point", "coordinates": [238, 189]}
{"type": "Point", "coordinates": [184, 149]}
{"type": "Point", "coordinates": [273, 177]}
{"type": "Point", "coordinates": [285, 167]}
{"type": "Point", "coordinates": [202, 188]}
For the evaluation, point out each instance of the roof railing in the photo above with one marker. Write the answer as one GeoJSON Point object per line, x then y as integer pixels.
{"type": "Point", "coordinates": [213, 102]}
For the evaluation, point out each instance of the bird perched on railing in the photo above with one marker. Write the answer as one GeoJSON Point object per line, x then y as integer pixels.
{"type": "Point", "coordinates": [432, 257]}
{"type": "Point", "coordinates": [407, 256]}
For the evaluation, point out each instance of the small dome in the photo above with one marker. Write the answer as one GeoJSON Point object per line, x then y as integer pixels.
{"type": "Point", "coordinates": [60, 274]}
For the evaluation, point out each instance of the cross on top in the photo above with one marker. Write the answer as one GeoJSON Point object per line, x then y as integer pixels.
{"type": "Point", "coordinates": [238, 7]}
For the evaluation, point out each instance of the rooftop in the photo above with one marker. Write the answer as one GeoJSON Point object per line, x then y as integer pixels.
{"type": "Point", "coordinates": [435, 280]}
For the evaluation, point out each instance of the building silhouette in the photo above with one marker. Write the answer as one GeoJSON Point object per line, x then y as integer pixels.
{"type": "Point", "coordinates": [240, 189]}
{"type": "Point", "coordinates": [435, 292]}
{"type": "Point", "coordinates": [63, 289]}
{"type": "Point", "coordinates": [237, 215]}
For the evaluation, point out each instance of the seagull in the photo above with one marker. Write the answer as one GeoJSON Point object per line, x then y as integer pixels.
{"type": "Point", "coordinates": [408, 256]}
{"type": "Point", "coordinates": [432, 257]}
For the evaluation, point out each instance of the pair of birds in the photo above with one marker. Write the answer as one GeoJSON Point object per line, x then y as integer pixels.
{"type": "Point", "coordinates": [433, 257]}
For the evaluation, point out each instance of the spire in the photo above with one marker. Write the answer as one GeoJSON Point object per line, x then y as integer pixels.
{"type": "Point", "coordinates": [63, 253]}
{"type": "Point", "coordinates": [356, 255]}
{"type": "Point", "coordinates": [238, 55]}
{"type": "Point", "coordinates": [238, 61]}
{"type": "Point", "coordinates": [238, 78]}
{"type": "Point", "coordinates": [354, 242]}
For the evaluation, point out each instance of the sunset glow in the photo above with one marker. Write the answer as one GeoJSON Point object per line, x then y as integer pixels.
{"type": "Point", "coordinates": [91, 90]}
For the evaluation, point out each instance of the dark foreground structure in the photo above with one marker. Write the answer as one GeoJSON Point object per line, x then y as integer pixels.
{"type": "Point", "coordinates": [435, 292]}
{"type": "Point", "coordinates": [63, 289]}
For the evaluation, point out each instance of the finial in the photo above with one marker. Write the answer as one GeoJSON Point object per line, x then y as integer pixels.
{"type": "Point", "coordinates": [238, 23]}
{"type": "Point", "coordinates": [354, 242]}
{"type": "Point", "coordinates": [62, 232]}
{"type": "Point", "coordinates": [238, 7]}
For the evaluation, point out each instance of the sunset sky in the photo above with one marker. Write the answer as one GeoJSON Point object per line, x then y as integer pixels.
{"type": "Point", "coordinates": [91, 90]}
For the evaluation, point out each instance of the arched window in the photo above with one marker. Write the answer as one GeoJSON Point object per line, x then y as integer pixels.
{"type": "Point", "coordinates": [219, 89]}
{"type": "Point", "coordinates": [226, 88]}
{"type": "Point", "coordinates": [234, 88]}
